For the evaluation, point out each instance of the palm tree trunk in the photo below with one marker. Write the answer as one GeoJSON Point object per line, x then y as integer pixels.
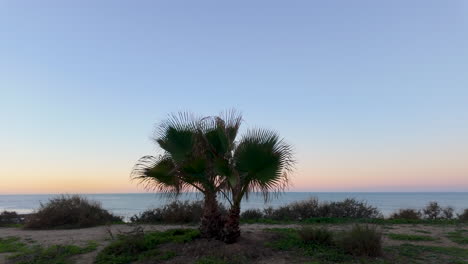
{"type": "Point", "coordinates": [211, 221]}
{"type": "Point", "coordinates": [231, 230]}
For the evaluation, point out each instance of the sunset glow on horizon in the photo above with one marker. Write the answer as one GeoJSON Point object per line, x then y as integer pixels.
{"type": "Point", "coordinates": [373, 97]}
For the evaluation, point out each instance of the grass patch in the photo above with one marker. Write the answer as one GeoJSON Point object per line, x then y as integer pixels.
{"type": "Point", "coordinates": [410, 237]}
{"type": "Point", "coordinates": [210, 260]}
{"type": "Point", "coordinates": [57, 254]}
{"type": "Point", "coordinates": [311, 235]}
{"type": "Point", "coordinates": [139, 246]}
{"type": "Point", "coordinates": [11, 244]}
{"type": "Point", "coordinates": [422, 231]}
{"type": "Point", "coordinates": [459, 237]}
{"type": "Point", "coordinates": [409, 253]}
{"type": "Point", "coordinates": [289, 239]}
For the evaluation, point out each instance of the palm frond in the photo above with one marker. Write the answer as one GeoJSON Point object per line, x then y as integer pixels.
{"type": "Point", "coordinates": [264, 161]}
{"type": "Point", "coordinates": [177, 135]}
{"type": "Point", "coordinates": [157, 174]}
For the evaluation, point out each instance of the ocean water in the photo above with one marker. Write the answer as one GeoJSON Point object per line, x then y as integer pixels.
{"type": "Point", "coordinates": [133, 203]}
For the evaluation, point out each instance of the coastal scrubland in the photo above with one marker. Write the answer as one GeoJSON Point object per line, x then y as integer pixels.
{"type": "Point", "coordinates": [310, 231]}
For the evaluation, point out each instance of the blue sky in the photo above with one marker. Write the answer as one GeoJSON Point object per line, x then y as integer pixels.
{"type": "Point", "coordinates": [370, 93]}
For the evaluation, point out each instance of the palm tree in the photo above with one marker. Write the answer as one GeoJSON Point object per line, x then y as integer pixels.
{"type": "Point", "coordinates": [194, 149]}
{"type": "Point", "coordinates": [202, 154]}
{"type": "Point", "coordinates": [260, 163]}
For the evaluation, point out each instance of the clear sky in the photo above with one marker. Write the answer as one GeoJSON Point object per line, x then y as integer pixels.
{"type": "Point", "coordinates": [372, 94]}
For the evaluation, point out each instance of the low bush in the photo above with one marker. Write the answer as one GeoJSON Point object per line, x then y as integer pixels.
{"type": "Point", "coordinates": [434, 211]}
{"type": "Point", "coordinates": [139, 245]}
{"type": "Point", "coordinates": [176, 212]}
{"type": "Point", "coordinates": [312, 208]}
{"type": "Point", "coordinates": [447, 212]}
{"type": "Point", "coordinates": [361, 241]}
{"type": "Point", "coordinates": [252, 214]}
{"type": "Point", "coordinates": [464, 216]}
{"type": "Point", "coordinates": [69, 212]}
{"type": "Point", "coordinates": [320, 236]}
{"type": "Point", "coordinates": [10, 218]}
{"type": "Point", "coordinates": [410, 214]}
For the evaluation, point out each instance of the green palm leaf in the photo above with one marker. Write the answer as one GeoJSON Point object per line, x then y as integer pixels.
{"type": "Point", "coordinates": [263, 160]}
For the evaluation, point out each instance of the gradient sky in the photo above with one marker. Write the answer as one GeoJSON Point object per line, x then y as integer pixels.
{"type": "Point", "coordinates": [372, 94]}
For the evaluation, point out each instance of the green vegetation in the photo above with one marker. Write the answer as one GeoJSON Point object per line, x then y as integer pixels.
{"type": "Point", "coordinates": [422, 231]}
{"type": "Point", "coordinates": [409, 253]}
{"type": "Point", "coordinates": [361, 241]}
{"type": "Point", "coordinates": [459, 236]}
{"type": "Point", "coordinates": [11, 244]}
{"type": "Point", "coordinates": [140, 246]}
{"type": "Point", "coordinates": [340, 220]}
{"type": "Point", "coordinates": [56, 254]}
{"type": "Point", "coordinates": [314, 209]}
{"type": "Point", "coordinates": [289, 239]}
{"type": "Point", "coordinates": [210, 260]}
{"type": "Point", "coordinates": [406, 214]}
{"type": "Point", "coordinates": [176, 212]}
{"type": "Point", "coordinates": [410, 237]}
{"type": "Point", "coordinates": [70, 212]}
{"type": "Point", "coordinates": [311, 235]}
{"type": "Point", "coordinates": [323, 245]}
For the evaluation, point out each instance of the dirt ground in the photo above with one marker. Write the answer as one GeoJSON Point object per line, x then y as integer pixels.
{"type": "Point", "coordinates": [252, 234]}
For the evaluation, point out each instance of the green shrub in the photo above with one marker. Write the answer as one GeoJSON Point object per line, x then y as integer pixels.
{"type": "Point", "coordinates": [252, 214]}
{"type": "Point", "coordinates": [138, 245]}
{"type": "Point", "coordinates": [311, 235]}
{"type": "Point", "coordinates": [464, 216]}
{"type": "Point", "coordinates": [312, 208]}
{"type": "Point", "coordinates": [176, 212]}
{"type": "Point", "coordinates": [361, 241]}
{"type": "Point", "coordinates": [409, 214]}
{"type": "Point", "coordinates": [69, 212]}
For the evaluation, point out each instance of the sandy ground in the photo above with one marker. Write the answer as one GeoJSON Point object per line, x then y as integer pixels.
{"type": "Point", "coordinates": [103, 234]}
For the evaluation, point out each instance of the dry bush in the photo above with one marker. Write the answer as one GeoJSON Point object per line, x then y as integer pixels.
{"type": "Point", "coordinates": [362, 241]}
{"type": "Point", "coordinates": [69, 212]}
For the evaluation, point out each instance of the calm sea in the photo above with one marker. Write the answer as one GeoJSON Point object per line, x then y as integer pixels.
{"type": "Point", "coordinates": [129, 204]}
